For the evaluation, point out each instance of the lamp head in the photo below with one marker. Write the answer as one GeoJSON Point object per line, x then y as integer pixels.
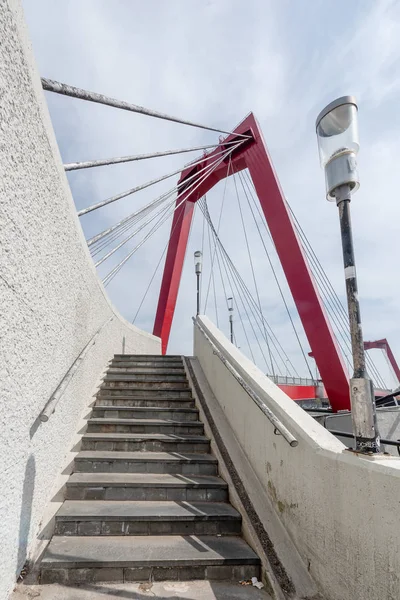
{"type": "Point", "coordinates": [338, 144]}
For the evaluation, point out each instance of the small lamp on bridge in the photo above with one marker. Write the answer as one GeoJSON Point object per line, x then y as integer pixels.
{"type": "Point", "coordinates": [198, 263]}
{"type": "Point", "coordinates": [230, 309]}
{"type": "Point", "coordinates": [338, 145]}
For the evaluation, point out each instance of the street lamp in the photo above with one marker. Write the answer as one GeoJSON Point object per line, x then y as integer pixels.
{"type": "Point", "coordinates": [338, 144]}
{"type": "Point", "coordinates": [230, 308]}
{"type": "Point", "coordinates": [198, 262]}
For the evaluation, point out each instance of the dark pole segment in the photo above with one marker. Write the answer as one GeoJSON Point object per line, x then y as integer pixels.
{"type": "Point", "coordinates": [357, 342]}
{"type": "Point", "coordinates": [198, 293]}
{"type": "Point", "coordinates": [231, 326]}
{"type": "Point", "coordinates": [361, 388]}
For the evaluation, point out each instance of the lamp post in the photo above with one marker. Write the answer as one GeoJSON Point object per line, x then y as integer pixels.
{"type": "Point", "coordinates": [338, 144]}
{"type": "Point", "coordinates": [230, 308]}
{"type": "Point", "coordinates": [198, 262]}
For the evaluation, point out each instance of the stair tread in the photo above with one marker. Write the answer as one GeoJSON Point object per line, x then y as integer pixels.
{"type": "Point", "coordinates": [138, 437]}
{"type": "Point", "coordinates": [147, 409]}
{"type": "Point", "coordinates": [145, 510]}
{"type": "Point", "coordinates": [138, 368]}
{"type": "Point", "coordinates": [165, 357]}
{"type": "Point", "coordinates": [128, 377]}
{"type": "Point", "coordinates": [127, 421]}
{"type": "Point", "coordinates": [145, 480]}
{"type": "Point", "coordinates": [102, 395]}
{"type": "Point", "coordinates": [112, 455]}
{"type": "Point", "coordinates": [132, 386]}
{"type": "Point", "coordinates": [75, 552]}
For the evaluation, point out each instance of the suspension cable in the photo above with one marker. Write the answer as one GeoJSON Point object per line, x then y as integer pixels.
{"type": "Point", "coordinates": [143, 186]}
{"type": "Point", "coordinates": [105, 232]}
{"type": "Point", "coordinates": [212, 276]}
{"type": "Point", "coordinates": [155, 271]}
{"type": "Point", "coordinates": [124, 228]}
{"type": "Point", "coordinates": [276, 279]}
{"type": "Point", "coordinates": [249, 298]}
{"type": "Point", "coordinates": [233, 295]}
{"type": "Point", "coordinates": [218, 226]}
{"type": "Point", "coordinates": [131, 235]}
{"type": "Point", "coordinates": [116, 269]}
{"type": "Point", "coordinates": [202, 253]}
{"type": "Point", "coordinates": [123, 159]}
{"type": "Point", "coordinates": [340, 311]}
{"type": "Point", "coordinates": [239, 294]}
{"type": "Point", "coordinates": [326, 290]}
{"type": "Point", "coordinates": [150, 206]}
{"type": "Point", "coordinates": [326, 299]}
{"type": "Point", "coordinates": [69, 90]}
{"type": "Point", "coordinates": [252, 271]}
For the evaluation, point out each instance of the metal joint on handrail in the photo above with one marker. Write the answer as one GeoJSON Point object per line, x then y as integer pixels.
{"type": "Point", "coordinates": [55, 397]}
{"type": "Point", "coordinates": [278, 425]}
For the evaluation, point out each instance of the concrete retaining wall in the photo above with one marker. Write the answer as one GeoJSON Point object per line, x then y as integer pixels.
{"type": "Point", "coordinates": [340, 510]}
{"type": "Point", "coordinates": [52, 303]}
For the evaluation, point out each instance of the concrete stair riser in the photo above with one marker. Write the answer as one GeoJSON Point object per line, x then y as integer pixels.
{"type": "Point", "coordinates": [108, 425]}
{"type": "Point", "coordinates": [127, 574]}
{"type": "Point", "coordinates": [141, 462]}
{"type": "Point", "coordinates": [126, 412]}
{"type": "Point", "coordinates": [151, 445]}
{"type": "Point", "coordinates": [148, 357]}
{"type": "Point", "coordinates": [145, 394]}
{"type": "Point", "coordinates": [148, 385]}
{"type": "Point", "coordinates": [145, 402]}
{"type": "Point", "coordinates": [145, 378]}
{"type": "Point", "coordinates": [144, 366]}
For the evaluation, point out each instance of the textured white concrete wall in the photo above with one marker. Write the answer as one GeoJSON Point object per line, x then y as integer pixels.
{"type": "Point", "coordinates": [51, 303]}
{"type": "Point", "coordinates": [341, 510]}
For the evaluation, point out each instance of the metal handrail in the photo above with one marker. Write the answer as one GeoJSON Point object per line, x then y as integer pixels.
{"type": "Point", "coordinates": [60, 389]}
{"type": "Point", "coordinates": [384, 442]}
{"type": "Point", "coordinates": [278, 425]}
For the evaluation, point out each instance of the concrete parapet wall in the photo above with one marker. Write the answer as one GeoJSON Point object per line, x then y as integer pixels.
{"type": "Point", "coordinates": [52, 303]}
{"type": "Point", "coordinates": [340, 509]}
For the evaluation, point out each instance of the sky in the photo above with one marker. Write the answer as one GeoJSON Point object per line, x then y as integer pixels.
{"type": "Point", "coordinates": [212, 62]}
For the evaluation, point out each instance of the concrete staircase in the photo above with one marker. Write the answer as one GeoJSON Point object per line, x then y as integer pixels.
{"type": "Point", "coordinates": [145, 501]}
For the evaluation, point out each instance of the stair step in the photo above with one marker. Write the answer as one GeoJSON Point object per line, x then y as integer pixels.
{"type": "Point", "coordinates": [145, 441]}
{"type": "Point", "coordinates": [132, 412]}
{"type": "Point", "coordinates": [145, 462]}
{"type": "Point", "coordinates": [146, 378]}
{"type": "Point", "coordinates": [152, 357]}
{"type": "Point", "coordinates": [110, 425]}
{"type": "Point", "coordinates": [151, 394]}
{"type": "Point", "coordinates": [140, 370]}
{"type": "Point", "coordinates": [149, 385]}
{"type": "Point", "coordinates": [134, 402]}
{"type": "Point", "coordinates": [142, 558]}
{"type": "Point", "coordinates": [146, 486]}
{"type": "Point", "coordinates": [145, 365]}
{"type": "Point", "coordinates": [101, 517]}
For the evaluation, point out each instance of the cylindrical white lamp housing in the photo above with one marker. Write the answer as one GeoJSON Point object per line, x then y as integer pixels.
{"type": "Point", "coordinates": [338, 144]}
{"type": "Point", "coordinates": [198, 261]}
